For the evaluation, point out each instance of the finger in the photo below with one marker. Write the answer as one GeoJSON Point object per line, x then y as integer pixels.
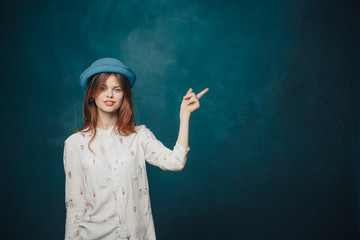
{"type": "Point", "coordinates": [193, 104]}
{"type": "Point", "coordinates": [189, 91]}
{"type": "Point", "coordinates": [202, 93]}
{"type": "Point", "coordinates": [192, 101]}
{"type": "Point", "coordinates": [189, 95]}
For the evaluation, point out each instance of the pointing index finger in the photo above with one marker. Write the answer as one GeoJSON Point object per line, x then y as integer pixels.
{"type": "Point", "coordinates": [202, 93]}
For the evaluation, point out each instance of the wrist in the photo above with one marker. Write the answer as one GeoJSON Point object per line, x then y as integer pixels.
{"type": "Point", "coordinates": [185, 115]}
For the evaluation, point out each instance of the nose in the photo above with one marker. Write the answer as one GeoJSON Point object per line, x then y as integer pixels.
{"type": "Point", "coordinates": [109, 93]}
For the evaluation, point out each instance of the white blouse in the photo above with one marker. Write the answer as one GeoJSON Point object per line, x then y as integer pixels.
{"type": "Point", "coordinates": [107, 193]}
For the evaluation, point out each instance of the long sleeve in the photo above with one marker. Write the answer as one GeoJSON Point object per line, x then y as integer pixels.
{"type": "Point", "coordinates": [159, 155]}
{"type": "Point", "coordinates": [74, 191]}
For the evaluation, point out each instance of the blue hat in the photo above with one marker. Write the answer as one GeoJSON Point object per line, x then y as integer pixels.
{"type": "Point", "coordinates": [111, 65]}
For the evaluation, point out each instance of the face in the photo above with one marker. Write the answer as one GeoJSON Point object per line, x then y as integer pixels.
{"type": "Point", "coordinates": [110, 98]}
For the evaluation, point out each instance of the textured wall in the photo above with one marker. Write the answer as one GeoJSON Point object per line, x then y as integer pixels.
{"type": "Point", "coordinates": [274, 146]}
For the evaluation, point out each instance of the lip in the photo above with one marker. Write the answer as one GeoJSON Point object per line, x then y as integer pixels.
{"type": "Point", "coordinates": [109, 102]}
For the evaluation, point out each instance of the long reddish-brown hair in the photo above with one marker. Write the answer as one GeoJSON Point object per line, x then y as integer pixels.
{"type": "Point", "coordinates": [125, 116]}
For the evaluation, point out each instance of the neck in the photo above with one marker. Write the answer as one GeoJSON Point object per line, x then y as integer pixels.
{"type": "Point", "coordinates": [106, 120]}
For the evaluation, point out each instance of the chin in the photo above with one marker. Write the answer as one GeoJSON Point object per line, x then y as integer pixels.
{"type": "Point", "coordinates": [109, 110]}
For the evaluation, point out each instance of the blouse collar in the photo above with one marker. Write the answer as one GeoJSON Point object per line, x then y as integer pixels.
{"type": "Point", "coordinates": [107, 131]}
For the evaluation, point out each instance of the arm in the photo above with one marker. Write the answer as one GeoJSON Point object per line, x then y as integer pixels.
{"type": "Point", "coordinates": [189, 104]}
{"type": "Point", "coordinates": [158, 155]}
{"type": "Point", "coordinates": [183, 137]}
{"type": "Point", "coordinates": [74, 192]}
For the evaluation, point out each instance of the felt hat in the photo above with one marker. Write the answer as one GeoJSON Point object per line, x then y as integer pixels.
{"type": "Point", "coordinates": [110, 65]}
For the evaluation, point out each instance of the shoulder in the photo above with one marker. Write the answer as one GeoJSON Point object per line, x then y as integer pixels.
{"type": "Point", "coordinates": [76, 138]}
{"type": "Point", "coordinates": [144, 132]}
{"type": "Point", "coordinates": [140, 128]}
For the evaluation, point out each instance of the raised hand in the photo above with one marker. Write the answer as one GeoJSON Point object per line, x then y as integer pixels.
{"type": "Point", "coordinates": [191, 101]}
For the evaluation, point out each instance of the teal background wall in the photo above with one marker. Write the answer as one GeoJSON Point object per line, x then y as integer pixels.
{"type": "Point", "coordinates": [274, 146]}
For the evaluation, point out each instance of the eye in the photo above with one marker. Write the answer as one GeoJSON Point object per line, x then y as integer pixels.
{"type": "Point", "coordinates": [118, 90]}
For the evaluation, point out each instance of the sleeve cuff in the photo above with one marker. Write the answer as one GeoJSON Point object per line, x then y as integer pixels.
{"type": "Point", "coordinates": [182, 148]}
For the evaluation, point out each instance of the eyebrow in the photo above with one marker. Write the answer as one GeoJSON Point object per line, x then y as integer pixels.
{"type": "Point", "coordinates": [104, 85]}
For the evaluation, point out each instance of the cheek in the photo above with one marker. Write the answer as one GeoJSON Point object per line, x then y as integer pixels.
{"type": "Point", "coordinates": [119, 97]}
{"type": "Point", "coordinates": [98, 99]}
{"type": "Point", "coordinates": [119, 101]}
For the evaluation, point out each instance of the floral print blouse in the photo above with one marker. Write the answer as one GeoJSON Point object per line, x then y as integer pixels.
{"type": "Point", "coordinates": [107, 193]}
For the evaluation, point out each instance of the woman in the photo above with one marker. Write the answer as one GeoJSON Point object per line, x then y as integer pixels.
{"type": "Point", "coordinates": [107, 191]}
